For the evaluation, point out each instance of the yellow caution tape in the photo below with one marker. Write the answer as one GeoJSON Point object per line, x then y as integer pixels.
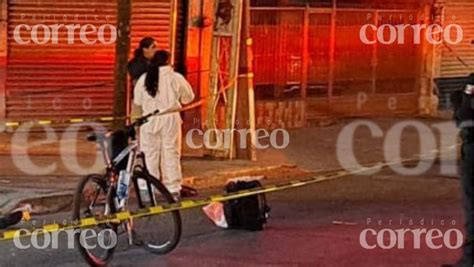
{"type": "Point", "coordinates": [44, 122]}
{"type": "Point", "coordinates": [188, 204]}
{"type": "Point", "coordinates": [76, 120]}
{"type": "Point", "coordinates": [12, 124]}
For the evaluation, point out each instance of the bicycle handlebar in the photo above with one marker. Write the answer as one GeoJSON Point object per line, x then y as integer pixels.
{"type": "Point", "coordinates": [129, 130]}
{"type": "Point", "coordinates": [144, 119]}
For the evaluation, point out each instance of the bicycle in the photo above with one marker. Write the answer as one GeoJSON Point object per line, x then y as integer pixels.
{"type": "Point", "coordinates": [103, 195]}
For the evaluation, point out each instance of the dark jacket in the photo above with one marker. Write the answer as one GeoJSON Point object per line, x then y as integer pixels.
{"type": "Point", "coordinates": [464, 111]}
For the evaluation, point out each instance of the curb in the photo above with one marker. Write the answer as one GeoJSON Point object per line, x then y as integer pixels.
{"type": "Point", "coordinates": [218, 180]}
{"type": "Point", "coordinates": [49, 204]}
{"type": "Point", "coordinates": [43, 205]}
{"type": "Point", "coordinates": [63, 201]}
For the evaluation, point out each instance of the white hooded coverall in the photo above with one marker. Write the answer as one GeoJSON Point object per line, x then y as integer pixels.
{"type": "Point", "coordinates": [160, 138]}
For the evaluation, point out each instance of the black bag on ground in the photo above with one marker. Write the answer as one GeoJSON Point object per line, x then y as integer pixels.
{"type": "Point", "coordinates": [247, 213]}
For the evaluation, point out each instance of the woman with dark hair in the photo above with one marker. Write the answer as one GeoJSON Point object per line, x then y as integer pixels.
{"type": "Point", "coordinates": [164, 89]}
{"type": "Point", "coordinates": [141, 58]}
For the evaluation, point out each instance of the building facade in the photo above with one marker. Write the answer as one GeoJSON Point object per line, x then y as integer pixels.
{"type": "Point", "coordinates": [67, 72]}
{"type": "Point", "coordinates": [310, 62]}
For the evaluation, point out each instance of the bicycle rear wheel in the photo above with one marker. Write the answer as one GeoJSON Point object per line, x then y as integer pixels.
{"type": "Point", "coordinates": [90, 201]}
{"type": "Point", "coordinates": [160, 233]}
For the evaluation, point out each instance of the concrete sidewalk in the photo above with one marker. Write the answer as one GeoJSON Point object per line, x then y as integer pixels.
{"type": "Point", "coordinates": [46, 173]}
{"type": "Point", "coordinates": [52, 191]}
{"type": "Point", "coordinates": [310, 150]}
{"type": "Point", "coordinates": [49, 194]}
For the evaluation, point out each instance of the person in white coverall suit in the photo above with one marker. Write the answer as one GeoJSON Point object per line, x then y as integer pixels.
{"type": "Point", "coordinates": [160, 139]}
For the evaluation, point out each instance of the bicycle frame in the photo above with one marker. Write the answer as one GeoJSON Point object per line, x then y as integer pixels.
{"type": "Point", "coordinates": [138, 172]}
{"type": "Point", "coordinates": [131, 149]}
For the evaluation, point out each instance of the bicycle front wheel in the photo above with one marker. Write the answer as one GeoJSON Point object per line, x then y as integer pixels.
{"type": "Point", "coordinates": [91, 201]}
{"type": "Point", "coordinates": [160, 233]}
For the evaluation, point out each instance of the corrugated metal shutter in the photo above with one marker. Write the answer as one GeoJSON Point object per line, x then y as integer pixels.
{"type": "Point", "coordinates": [54, 81]}
{"type": "Point", "coordinates": [152, 18]}
{"type": "Point", "coordinates": [462, 11]}
{"type": "Point", "coordinates": [453, 74]}
{"type": "Point", "coordinates": [59, 80]}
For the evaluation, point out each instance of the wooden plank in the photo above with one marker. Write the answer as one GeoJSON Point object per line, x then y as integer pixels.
{"type": "Point", "coordinates": [231, 110]}
{"type": "Point", "coordinates": [212, 86]}
{"type": "Point", "coordinates": [173, 29]}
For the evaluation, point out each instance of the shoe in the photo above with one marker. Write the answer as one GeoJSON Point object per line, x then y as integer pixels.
{"type": "Point", "coordinates": [176, 196]}
{"type": "Point", "coordinates": [187, 191]}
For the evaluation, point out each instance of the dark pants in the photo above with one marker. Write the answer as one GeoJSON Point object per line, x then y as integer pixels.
{"type": "Point", "coordinates": [467, 177]}
{"type": "Point", "coordinates": [10, 219]}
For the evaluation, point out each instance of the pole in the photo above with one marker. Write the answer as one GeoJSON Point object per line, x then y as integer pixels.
{"type": "Point", "coordinates": [122, 48]}
{"type": "Point", "coordinates": [250, 84]}
{"type": "Point", "coordinates": [174, 27]}
{"type": "Point", "coordinates": [236, 49]}
{"type": "Point", "coordinates": [246, 94]}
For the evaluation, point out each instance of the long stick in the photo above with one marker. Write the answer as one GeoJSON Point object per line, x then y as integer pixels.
{"type": "Point", "coordinates": [236, 46]}
{"type": "Point", "coordinates": [250, 82]}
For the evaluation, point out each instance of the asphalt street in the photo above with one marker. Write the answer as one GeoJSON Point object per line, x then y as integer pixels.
{"type": "Point", "coordinates": [318, 225]}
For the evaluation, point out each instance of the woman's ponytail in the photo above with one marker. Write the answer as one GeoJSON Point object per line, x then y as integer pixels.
{"type": "Point", "coordinates": [152, 81]}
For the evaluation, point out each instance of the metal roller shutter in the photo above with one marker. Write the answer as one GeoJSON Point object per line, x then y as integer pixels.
{"type": "Point", "coordinates": [59, 80]}
{"type": "Point", "coordinates": [153, 18]}
{"type": "Point", "coordinates": [55, 81]}
{"type": "Point", "coordinates": [453, 74]}
{"type": "Point", "coordinates": [462, 11]}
